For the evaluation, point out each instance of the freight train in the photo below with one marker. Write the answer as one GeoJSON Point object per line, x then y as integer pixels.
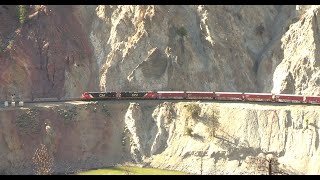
{"type": "Point", "coordinates": [200, 95]}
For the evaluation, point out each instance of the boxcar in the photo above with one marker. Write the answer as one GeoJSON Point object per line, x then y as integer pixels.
{"type": "Point", "coordinates": [312, 99]}
{"type": "Point", "coordinates": [258, 97]}
{"type": "Point", "coordinates": [289, 98]}
{"type": "Point", "coordinates": [238, 96]}
{"type": "Point", "coordinates": [171, 95]}
{"type": "Point", "coordinates": [199, 95]}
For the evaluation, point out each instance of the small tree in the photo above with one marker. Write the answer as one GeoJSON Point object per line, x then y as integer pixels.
{"type": "Point", "coordinates": [43, 161]}
{"type": "Point", "coordinates": [259, 30]}
{"type": "Point", "coordinates": [10, 44]}
{"type": "Point", "coordinates": [265, 164]}
{"type": "Point", "coordinates": [193, 110]}
{"type": "Point", "coordinates": [1, 46]}
{"type": "Point", "coordinates": [188, 131]}
{"type": "Point", "coordinates": [182, 31]}
{"type": "Point", "coordinates": [212, 121]}
{"type": "Point", "coordinates": [22, 11]}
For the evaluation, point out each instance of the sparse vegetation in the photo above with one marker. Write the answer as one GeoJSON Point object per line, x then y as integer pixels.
{"type": "Point", "coordinates": [22, 12]}
{"type": "Point", "coordinates": [37, 7]}
{"type": "Point", "coordinates": [265, 164]}
{"type": "Point", "coordinates": [1, 46]}
{"type": "Point", "coordinates": [68, 114]}
{"type": "Point", "coordinates": [28, 122]}
{"type": "Point", "coordinates": [212, 121]}
{"type": "Point", "coordinates": [10, 44]}
{"type": "Point", "coordinates": [189, 131]}
{"type": "Point", "coordinates": [43, 161]}
{"type": "Point", "coordinates": [182, 31]}
{"type": "Point", "coordinates": [259, 30]}
{"type": "Point", "coordinates": [105, 110]}
{"type": "Point", "coordinates": [193, 110]}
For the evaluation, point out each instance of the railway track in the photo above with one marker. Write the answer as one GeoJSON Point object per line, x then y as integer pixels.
{"type": "Point", "coordinates": [53, 100]}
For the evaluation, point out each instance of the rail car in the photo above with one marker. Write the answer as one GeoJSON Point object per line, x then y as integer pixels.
{"type": "Point", "coordinates": [235, 96]}
{"type": "Point", "coordinates": [171, 94]}
{"type": "Point", "coordinates": [259, 97]}
{"type": "Point", "coordinates": [200, 95]}
{"type": "Point", "coordinates": [138, 95]}
{"type": "Point", "coordinates": [289, 98]}
{"type": "Point", "coordinates": [312, 99]}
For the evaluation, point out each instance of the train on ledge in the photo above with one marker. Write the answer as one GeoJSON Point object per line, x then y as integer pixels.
{"type": "Point", "coordinates": [199, 95]}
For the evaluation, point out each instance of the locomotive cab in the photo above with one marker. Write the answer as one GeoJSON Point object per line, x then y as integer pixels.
{"type": "Point", "coordinates": [86, 95]}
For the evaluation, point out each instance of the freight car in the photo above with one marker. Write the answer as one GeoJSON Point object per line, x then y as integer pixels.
{"type": "Point", "coordinates": [312, 99]}
{"type": "Point", "coordinates": [171, 94]}
{"type": "Point", "coordinates": [259, 97]}
{"type": "Point", "coordinates": [199, 95]}
{"type": "Point", "coordinates": [138, 95]}
{"type": "Point", "coordinates": [290, 98]}
{"type": "Point", "coordinates": [230, 96]}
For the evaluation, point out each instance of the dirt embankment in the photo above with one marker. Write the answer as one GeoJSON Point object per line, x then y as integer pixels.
{"type": "Point", "coordinates": [40, 57]}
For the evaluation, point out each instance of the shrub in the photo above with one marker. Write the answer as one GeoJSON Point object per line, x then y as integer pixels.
{"type": "Point", "coordinates": [10, 45]}
{"type": "Point", "coordinates": [37, 7]}
{"type": "Point", "coordinates": [182, 31]}
{"type": "Point", "coordinates": [193, 110]}
{"type": "Point", "coordinates": [259, 30]}
{"type": "Point", "coordinates": [43, 161]}
{"type": "Point", "coordinates": [189, 131]}
{"type": "Point", "coordinates": [1, 46]}
{"type": "Point", "coordinates": [212, 122]}
{"type": "Point", "coordinates": [22, 12]}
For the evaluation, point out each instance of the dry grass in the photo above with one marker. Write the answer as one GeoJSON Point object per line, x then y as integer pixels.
{"type": "Point", "coordinates": [43, 161]}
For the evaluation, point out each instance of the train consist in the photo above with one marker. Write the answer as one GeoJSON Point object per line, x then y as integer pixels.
{"type": "Point", "coordinates": [198, 95]}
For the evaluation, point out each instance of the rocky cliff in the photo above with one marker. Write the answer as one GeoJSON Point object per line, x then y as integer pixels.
{"type": "Point", "coordinates": [61, 51]}
{"type": "Point", "coordinates": [194, 137]}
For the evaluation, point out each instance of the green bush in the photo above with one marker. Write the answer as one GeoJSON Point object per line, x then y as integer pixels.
{"type": "Point", "coordinates": [22, 12]}
{"type": "Point", "coordinates": [193, 110]}
{"type": "Point", "coordinates": [182, 31]}
{"type": "Point", "coordinates": [1, 46]}
{"type": "Point", "coordinates": [10, 45]}
{"type": "Point", "coordinates": [212, 121]}
{"type": "Point", "coordinates": [189, 131]}
{"type": "Point", "coordinates": [259, 30]}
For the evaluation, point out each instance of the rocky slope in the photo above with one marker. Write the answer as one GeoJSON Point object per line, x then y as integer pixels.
{"type": "Point", "coordinates": [169, 135]}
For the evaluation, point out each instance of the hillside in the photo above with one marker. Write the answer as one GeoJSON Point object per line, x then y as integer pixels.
{"type": "Point", "coordinates": [61, 51]}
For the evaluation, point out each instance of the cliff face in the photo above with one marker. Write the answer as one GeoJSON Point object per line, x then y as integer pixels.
{"type": "Point", "coordinates": [168, 135]}
{"type": "Point", "coordinates": [61, 51]}
{"type": "Point", "coordinates": [298, 72]}
{"type": "Point", "coordinates": [41, 57]}
{"type": "Point", "coordinates": [187, 47]}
